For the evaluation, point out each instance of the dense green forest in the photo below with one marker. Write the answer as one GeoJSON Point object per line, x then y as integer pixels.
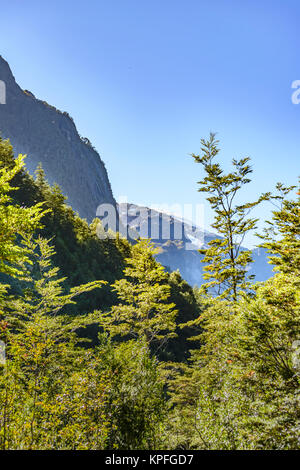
{"type": "Point", "coordinates": [107, 350]}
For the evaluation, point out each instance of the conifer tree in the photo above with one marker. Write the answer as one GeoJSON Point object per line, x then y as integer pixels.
{"type": "Point", "coordinates": [41, 181]}
{"type": "Point", "coordinates": [144, 309]}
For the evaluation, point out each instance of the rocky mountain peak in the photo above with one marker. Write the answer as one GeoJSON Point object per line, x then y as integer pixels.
{"type": "Point", "coordinates": [49, 136]}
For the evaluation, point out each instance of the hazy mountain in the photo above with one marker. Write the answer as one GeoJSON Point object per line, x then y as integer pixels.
{"type": "Point", "coordinates": [178, 242]}
{"type": "Point", "coordinates": [49, 136]}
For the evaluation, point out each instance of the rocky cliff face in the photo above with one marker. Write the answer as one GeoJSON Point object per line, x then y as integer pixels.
{"type": "Point", "coordinates": [49, 137]}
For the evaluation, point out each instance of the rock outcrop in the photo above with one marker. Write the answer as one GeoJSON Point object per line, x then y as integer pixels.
{"type": "Point", "coordinates": [49, 136]}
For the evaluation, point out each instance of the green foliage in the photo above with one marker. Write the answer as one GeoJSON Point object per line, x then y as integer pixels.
{"type": "Point", "coordinates": [281, 238]}
{"type": "Point", "coordinates": [240, 387]}
{"type": "Point", "coordinates": [16, 222]}
{"type": "Point", "coordinates": [40, 343]}
{"type": "Point", "coordinates": [136, 404]}
{"type": "Point", "coordinates": [81, 256]}
{"type": "Point", "coordinates": [241, 390]}
{"type": "Point", "coordinates": [177, 348]}
{"type": "Point", "coordinates": [55, 395]}
{"type": "Point", "coordinates": [144, 293]}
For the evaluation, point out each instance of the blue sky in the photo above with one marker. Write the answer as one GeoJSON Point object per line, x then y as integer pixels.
{"type": "Point", "coordinates": [146, 80]}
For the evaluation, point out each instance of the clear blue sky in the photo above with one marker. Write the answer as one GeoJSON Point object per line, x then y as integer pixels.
{"type": "Point", "coordinates": [145, 80]}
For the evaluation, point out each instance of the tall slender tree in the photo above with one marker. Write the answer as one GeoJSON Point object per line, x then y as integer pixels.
{"type": "Point", "coordinates": [226, 261]}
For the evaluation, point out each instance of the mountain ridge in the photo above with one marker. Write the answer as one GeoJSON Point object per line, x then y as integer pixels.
{"type": "Point", "coordinates": [182, 253]}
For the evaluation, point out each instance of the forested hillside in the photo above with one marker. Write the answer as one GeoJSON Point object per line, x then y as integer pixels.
{"type": "Point", "coordinates": [137, 386]}
{"type": "Point", "coordinates": [83, 257]}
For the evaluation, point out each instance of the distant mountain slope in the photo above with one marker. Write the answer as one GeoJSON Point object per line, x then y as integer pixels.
{"type": "Point", "coordinates": [173, 252]}
{"type": "Point", "coordinates": [49, 136]}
